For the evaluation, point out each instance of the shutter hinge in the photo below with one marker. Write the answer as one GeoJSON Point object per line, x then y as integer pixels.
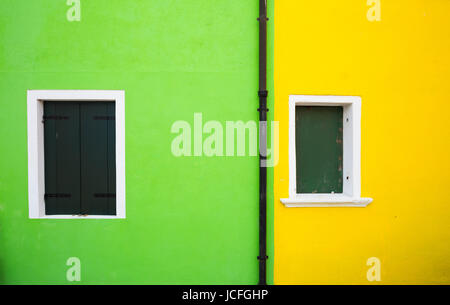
{"type": "Point", "coordinates": [54, 117]}
{"type": "Point", "coordinates": [57, 195]}
{"type": "Point", "coordinates": [104, 117]}
{"type": "Point", "coordinates": [105, 195]}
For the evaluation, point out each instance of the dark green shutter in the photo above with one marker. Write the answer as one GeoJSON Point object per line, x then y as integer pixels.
{"type": "Point", "coordinates": [111, 158]}
{"type": "Point", "coordinates": [319, 149]}
{"type": "Point", "coordinates": [62, 157]}
{"type": "Point", "coordinates": [97, 193]}
{"type": "Point", "coordinates": [80, 158]}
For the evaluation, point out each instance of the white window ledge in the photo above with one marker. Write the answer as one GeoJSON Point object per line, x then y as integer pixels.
{"type": "Point", "coordinates": [325, 200]}
{"type": "Point", "coordinates": [81, 217]}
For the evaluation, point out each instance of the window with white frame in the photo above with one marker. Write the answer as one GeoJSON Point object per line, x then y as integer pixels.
{"type": "Point", "coordinates": [324, 152]}
{"type": "Point", "coordinates": [76, 153]}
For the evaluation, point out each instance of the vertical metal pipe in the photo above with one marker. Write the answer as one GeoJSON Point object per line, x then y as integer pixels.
{"type": "Point", "coordinates": [262, 94]}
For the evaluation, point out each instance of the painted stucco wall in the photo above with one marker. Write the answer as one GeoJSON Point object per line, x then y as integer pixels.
{"type": "Point", "coordinates": [190, 220]}
{"type": "Point", "coordinates": [400, 67]}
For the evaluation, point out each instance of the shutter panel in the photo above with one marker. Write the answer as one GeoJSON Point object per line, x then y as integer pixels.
{"type": "Point", "coordinates": [51, 203]}
{"type": "Point", "coordinates": [112, 158]}
{"type": "Point", "coordinates": [96, 190]}
{"type": "Point", "coordinates": [319, 149]}
{"type": "Point", "coordinates": [62, 158]}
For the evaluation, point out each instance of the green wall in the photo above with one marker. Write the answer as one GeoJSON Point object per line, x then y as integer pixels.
{"type": "Point", "coordinates": [190, 220]}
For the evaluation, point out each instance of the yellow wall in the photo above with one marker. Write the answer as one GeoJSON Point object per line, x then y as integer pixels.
{"type": "Point", "coordinates": [400, 66]}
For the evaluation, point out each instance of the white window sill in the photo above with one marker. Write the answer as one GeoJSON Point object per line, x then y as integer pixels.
{"type": "Point", "coordinates": [79, 217]}
{"type": "Point", "coordinates": [325, 200]}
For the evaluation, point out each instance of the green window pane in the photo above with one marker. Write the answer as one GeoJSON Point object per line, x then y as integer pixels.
{"type": "Point", "coordinates": [319, 149]}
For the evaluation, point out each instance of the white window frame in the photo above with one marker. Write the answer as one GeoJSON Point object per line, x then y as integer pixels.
{"type": "Point", "coordinates": [351, 195]}
{"type": "Point", "coordinates": [36, 172]}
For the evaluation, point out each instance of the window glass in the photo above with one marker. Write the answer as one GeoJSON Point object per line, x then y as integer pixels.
{"type": "Point", "coordinates": [319, 149]}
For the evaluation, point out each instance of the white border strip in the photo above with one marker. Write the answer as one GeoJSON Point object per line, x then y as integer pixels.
{"type": "Point", "coordinates": [36, 174]}
{"type": "Point", "coordinates": [351, 159]}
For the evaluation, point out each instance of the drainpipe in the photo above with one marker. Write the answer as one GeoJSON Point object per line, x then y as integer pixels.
{"type": "Point", "coordinates": [262, 94]}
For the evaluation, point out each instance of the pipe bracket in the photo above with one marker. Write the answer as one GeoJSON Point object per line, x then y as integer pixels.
{"type": "Point", "coordinates": [263, 93]}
